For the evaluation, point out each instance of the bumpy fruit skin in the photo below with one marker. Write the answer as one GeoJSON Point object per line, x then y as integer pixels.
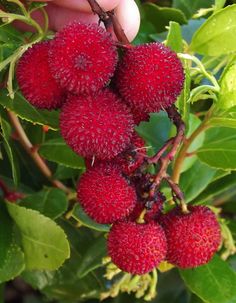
{"type": "Point", "coordinates": [105, 195]}
{"type": "Point", "coordinates": [98, 126]}
{"type": "Point", "coordinates": [139, 116]}
{"type": "Point", "coordinates": [136, 248]}
{"type": "Point", "coordinates": [35, 80]}
{"type": "Point", "coordinates": [192, 238]}
{"type": "Point", "coordinates": [131, 159]}
{"type": "Point", "coordinates": [150, 77]}
{"type": "Point", "coordinates": [82, 57]}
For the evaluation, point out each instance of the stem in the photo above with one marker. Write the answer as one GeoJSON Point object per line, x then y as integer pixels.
{"type": "Point", "coordinates": [109, 19]}
{"type": "Point", "coordinates": [29, 148]}
{"type": "Point", "coordinates": [183, 151]}
{"type": "Point", "coordinates": [176, 141]}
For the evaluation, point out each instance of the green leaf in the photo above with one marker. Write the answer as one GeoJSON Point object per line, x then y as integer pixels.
{"type": "Point", "coordinates": [6, 133]}
{"type": "Point", "coordinates": [51, 202]}
{"type": "Point", "coordinates": [227, 94]}
{"type": "Point", "coordinates": [214, 282]}
{"type": "Point", "coordinates": [161, 16]}
{"type": "Point", "coordinates": [11, 256]}
{"type": "Point", "coordinates": [219, 4]}
{"type": "Point", "coordinates": [58, 151]}
{"type": "Point", "coordinates": [174, 37]}
{"type": "Point", "coordinates": [44, 242]}
{"type": "Point", "coordinates": [10, 7]}
{"type": "Point", "coordinates": [183, 105]}
{"type": "Point", "coordinates": [217, 187]}
{"type": "Point", "coordinates": [224, 118]}
{"type": "Point", "coordinates": [65, 284]}
{"type": "Point", "coordinates": [196, 179]}
{"type": "Point", "coordinates": [79, 215]}
{"type": "Point", "coordinates": [212, 38]}
{"type": "Point", "coordinates": [190, 7]}
{"type": "Point", "coordinates": [156, 131]}
{"type": "Point", "coordinates": [9, 33]}
{"type": "Point", "coordinates": [193, 123]}
{"type": "Point", "coordinates": [92, 259]}
{"type": "Point", "coordinates": [219, 148]}
{"type": "Point", "coordinates": [13, 264]}
{"type": "Point", "coordinates": [26, 111]}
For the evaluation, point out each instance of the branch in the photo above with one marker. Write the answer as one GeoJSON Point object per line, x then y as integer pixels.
{"type": "Point", "coordinates": [29, 148]}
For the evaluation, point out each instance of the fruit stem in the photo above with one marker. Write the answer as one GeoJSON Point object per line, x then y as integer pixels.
{"type": "Point", "coordinates": [175, 117]}
{"type": "Point", "coordinates": [29, 148]}
{"type": "Point", "coordinates": [109, 19]}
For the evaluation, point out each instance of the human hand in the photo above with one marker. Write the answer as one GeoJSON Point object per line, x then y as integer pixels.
{"type": "Point", "coordinates": [62, 12]}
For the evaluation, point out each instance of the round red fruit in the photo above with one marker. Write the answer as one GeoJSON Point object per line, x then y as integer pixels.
{"type": "Point", "coordinates": [136, 248]}
{"type": "Point", "coordinates": [96, 126]}
{"type": "Point", "coordinates": [105, 195]}
{"type": "Point", "coordinates": [82, 57]}
{"type": "Point", "coordinates": [35, 80]}
{"type": "Point", "coordinates": [192, 238]}
{"type": "Point", "coordinates": [150, 77]}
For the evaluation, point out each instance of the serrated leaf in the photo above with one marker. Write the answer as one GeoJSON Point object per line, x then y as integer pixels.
{"type": "Point", "coordinates": [225, 118]}
{"type": "Point", "coordinates": [161, 16]}
{"type": "Point", "coordinates": [27, 112]}
{"type": "Point", "coordinates": [214, 282]}
{"type": "Point", "coordinates": [6, 132]}
{"type": "Point", "coordinates": [79, 215]}
{"type": "Point", "coordinates": [196, 179]}
{"type": "Point", "coordinates": [13, 264]}
{"type": "Point", "coordinates": [11, 257]}
{"type": "Point", "coordinates": [51, 202]}
{"type": "Point", "coordinates": [58, 151]}
{"type": "Point", "coordinates": [44, 242]}
{"type": "Point", "coordinates": [212, 38]}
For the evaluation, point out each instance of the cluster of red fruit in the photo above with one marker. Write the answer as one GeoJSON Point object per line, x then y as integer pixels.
{"type": "Point", "coordinates": [75, 71]}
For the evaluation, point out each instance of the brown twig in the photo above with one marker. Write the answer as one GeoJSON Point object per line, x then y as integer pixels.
{"type": "Point", "coordinates": [175, 142]}
{"type": "Point", "coordinates": [29, 148]}
{"type": "Point", "coordinates": [110, 20]}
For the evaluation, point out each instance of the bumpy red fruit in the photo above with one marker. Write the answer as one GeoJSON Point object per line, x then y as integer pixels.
{"type": "Point", "coordinates": [150, 77]}
{"type": "Point", "coordinates": [82, 57]}
{"type": "Point", "coordinates": [98, 126]}
{"type": "Point", "coordinates": [105, 195]}
{"type": "Point", "coordinates": [35, 80]}
{"type": "Point", "coordinates": [136, 248]}
{"type": "Point", "coordinates": [192, 238]}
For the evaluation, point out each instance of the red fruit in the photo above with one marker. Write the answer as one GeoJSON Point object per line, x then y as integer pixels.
{"type": "Point", "coordinates": [156, 207]}
{"type": "Point", "coordinates": [136, 248]}
{"type": "Point", "coordinates": [82, 57]}
{"type": "Point", "coordinates": [35, 80]}
{"type": "Point", "coordinates": [105, 195]}
{"type": "Point", "coordinates": [139, 116]}
{"type": "Point", "coordinates": [150, 77]}
{"type": "Point", "coordinates": [97, 126]}
{"type": "Point", "coordinates": [192, 238]}
{"type": "Point", "coordinates": [131, 159]}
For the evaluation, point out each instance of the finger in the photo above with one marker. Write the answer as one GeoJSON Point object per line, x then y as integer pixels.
{"type": "Point", "coordinates": [59, 17]}
{"type": "Point", "coordinates": [128, 15]}
{"type": "Point", "coordinates": [83, 5]}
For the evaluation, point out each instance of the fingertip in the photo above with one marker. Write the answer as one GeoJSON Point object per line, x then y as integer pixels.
{"type": "Point", "coordinates": [129, 17]}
